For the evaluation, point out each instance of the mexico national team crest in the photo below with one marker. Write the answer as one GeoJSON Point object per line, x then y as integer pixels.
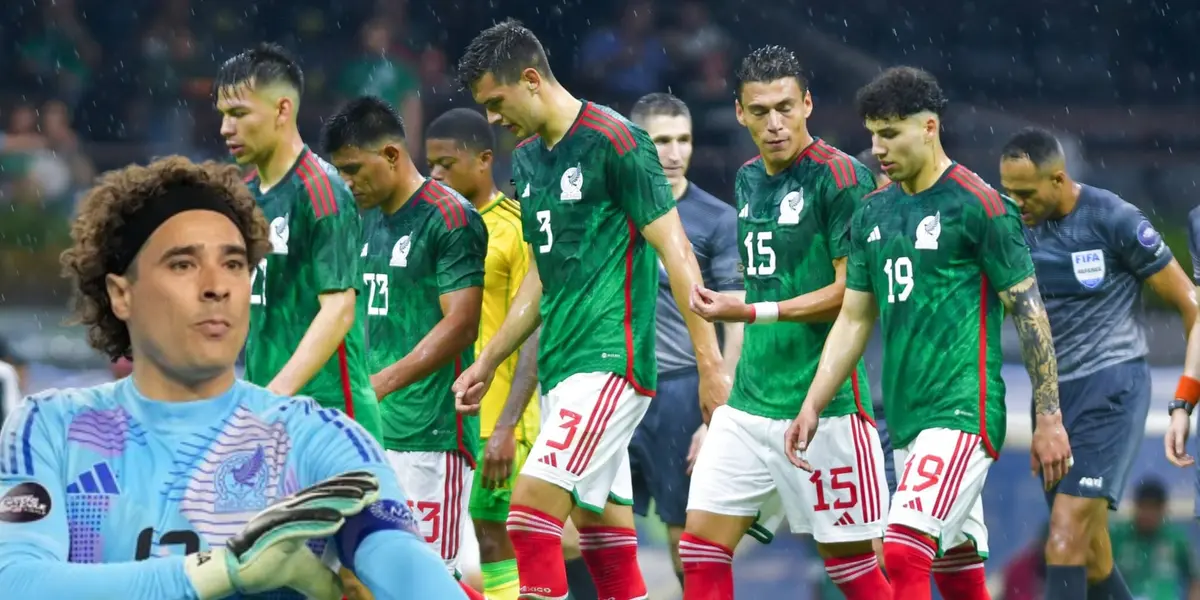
{"type": "Point", "coordinates": [572, 185]}
{"type": "Point", "coordinates": [279, 235]}
{"type": "Point", "coordinates": [790, 207]}
{"type": "Point", "coordinates": [928, 232]}
{"type": "Point", "coordinates": [400, 252]}
{"type": "Point", "coordinates": [241, 482]}
{"type": "Point", "coordinates": [1089, 267]}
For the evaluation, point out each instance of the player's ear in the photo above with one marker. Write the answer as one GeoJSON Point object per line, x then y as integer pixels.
{"type": "Point", "coordinates": [285, 110]}
{"type": "Point", "coordinates": [118, 288]}
{"type": "Point", "coordinates": [931, 129]}
{"type": "Point", "coordinates": [808, 104]}
{"type": "Point", "coordinates": [392, 153]}
{"type": "Point", "coordinates": [531, 79]}
{"type": "Point", "coordinates": [485, 159]}
{"type": "Point", "coordinates": [737, 110]}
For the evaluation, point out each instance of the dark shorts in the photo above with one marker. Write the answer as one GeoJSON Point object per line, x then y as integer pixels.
{"type": "Point", "coordinates": [885, 441]}
{"type": "Point", "coordinates": [1105, 417]}
{"type": "Point", "coordinates": [658, 452]}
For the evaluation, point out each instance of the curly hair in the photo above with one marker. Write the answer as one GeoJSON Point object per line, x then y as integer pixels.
{"type": "Point", "coordinates": [118, 195]}
{"type": "Point", "coordinates": [898, 93]}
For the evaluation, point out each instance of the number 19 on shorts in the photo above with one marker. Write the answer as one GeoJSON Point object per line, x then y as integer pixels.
{"type": "Point", "coordinates": [899, 278]}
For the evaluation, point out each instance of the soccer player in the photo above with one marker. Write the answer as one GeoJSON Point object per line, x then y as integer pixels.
{"type": "Point", "coordinates": [459, 146]}
{"type": "Point", "coordinates": [794, 203]}
{"type": "Point", "coordinates": [659, 453]}
{"type": "Point", "coordinates": [940, 257]}
{"type": "Point", "coordinates": [1189, 383]}
{"type": "Point", "coordinates": [423, 254]}
{"type": "Point", "coordinates": [182, 482]}
{"type": "Point", "coordinates": [306, 325]}
{"type": "Point", "coordinates": [1093, 252]}
{"type": "Point", "coordinates": [596, 208]}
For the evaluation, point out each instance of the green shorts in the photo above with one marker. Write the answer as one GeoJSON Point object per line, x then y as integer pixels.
{"type": "Point", "coordinates": [492, 505]}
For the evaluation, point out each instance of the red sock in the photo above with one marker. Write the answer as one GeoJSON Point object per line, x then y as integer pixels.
{"type": "Point", "coordinates": [707, 569]}
{"type": "Point", "coordinates": [470, 591]}
{"type": "Point", "coordinates": [537, 541]}
{"type": "Point", "coordinates": [959, 574]}
{"type": "Point", "coordinates": [611, 557]}
{"type": "Point", "coordinates": [908, 555]}
{"type": "Point", "coordinates": [859, 577]}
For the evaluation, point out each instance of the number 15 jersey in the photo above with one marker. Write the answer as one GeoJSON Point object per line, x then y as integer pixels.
{"type": "Point", "coordinates": [934, 262]}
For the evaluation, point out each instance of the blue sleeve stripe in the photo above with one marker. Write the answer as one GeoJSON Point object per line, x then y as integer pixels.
{"type": "Point", "coordinates": [337, 422]}
{"type": "Point", "coordinates": [26, 437]}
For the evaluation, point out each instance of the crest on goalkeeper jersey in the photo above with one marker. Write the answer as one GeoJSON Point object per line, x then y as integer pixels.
{"type": "Point", "coordinates": [928, 231]}
{"type": "Point", "coordinates": [400, 252]}
{"type": "Point", "coordinates": [790, 207]}
{"type": "Point", "coordinates": [279, 235]}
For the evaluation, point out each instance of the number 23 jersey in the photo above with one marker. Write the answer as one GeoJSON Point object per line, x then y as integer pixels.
{"type": "Point", "coordinates": [934, 262]}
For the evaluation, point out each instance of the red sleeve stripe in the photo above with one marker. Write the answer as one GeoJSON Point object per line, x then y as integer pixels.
{"type": "Point", "coordinates": [313, 177]}
{"type": "Point", "coordinates": [250, 176]}
{"type": "Point", "coordinates": [839, 164]}
{"type": "Point", "coordinates": [452, 211]}
{"type": "Point", "coordinates": [752, 161]}
{"type": "Point", "coordinates": [616, 132]}
{"type": "Point", "coordinates": [527, 140]}
{"type": "Point", "coordinates": [990, 198]}
{"type": "Point", "coordinates": [456, 206]}
{"type": "Point", "coordinates": [888, 186]}
{"type": "Point", "coordinates": [323, 179]}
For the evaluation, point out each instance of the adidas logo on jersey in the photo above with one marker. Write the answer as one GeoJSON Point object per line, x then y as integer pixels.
{"type": "Point", "coordinates": [914, 504]}
{"type": "Point", "coordinates": [96, 480]}
{"type": "Point", "coordinates": [845, 519]}
{"type": "Point", "coordinates": [874, 235]}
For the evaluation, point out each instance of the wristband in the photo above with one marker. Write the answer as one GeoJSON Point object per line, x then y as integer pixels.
{"type": "Point", "coordinates": [1177, 404]}
{"type": "Point", "coordinates": [1188, 390]}
{"type": "Point", "coordinates": [766, 312]}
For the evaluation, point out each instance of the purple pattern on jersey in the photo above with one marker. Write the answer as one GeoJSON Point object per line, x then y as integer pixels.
{"type": "Point", "coordinates": [105, 432]}
{"type": "Point", "coordinates": [85, 515]}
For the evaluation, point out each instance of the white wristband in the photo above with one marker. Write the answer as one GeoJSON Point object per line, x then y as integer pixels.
{"type": "Point", "coordinates": [766, 312]}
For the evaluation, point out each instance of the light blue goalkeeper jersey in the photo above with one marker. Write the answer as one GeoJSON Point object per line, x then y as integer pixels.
{"type": "Point", "coordinates": [103, 491]}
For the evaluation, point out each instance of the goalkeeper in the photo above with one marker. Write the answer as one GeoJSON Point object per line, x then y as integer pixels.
{"type": "Point", "coordinates": [182, 482]}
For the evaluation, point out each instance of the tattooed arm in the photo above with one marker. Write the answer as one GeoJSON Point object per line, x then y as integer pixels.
{"type": "Point", "coordinates": [1024, 302]}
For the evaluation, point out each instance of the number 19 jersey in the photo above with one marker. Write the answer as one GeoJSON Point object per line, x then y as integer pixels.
{"type": "Point", "coordinates": [934, 262]}
{"type": "Point", "coordinates": [791, 227]}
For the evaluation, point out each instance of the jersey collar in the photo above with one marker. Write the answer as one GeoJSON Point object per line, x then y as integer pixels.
{"type": "Point", "coordinates": [497, 198]}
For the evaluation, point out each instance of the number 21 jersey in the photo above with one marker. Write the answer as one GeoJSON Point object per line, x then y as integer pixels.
{"type": "Point", "coordinates": [934, 262]}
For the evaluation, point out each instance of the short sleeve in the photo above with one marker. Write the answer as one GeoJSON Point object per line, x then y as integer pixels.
{"type": "Point", "coordinates": [858, 275]}
{"type": "Point", "coordinates": [839, 209]}
{"type": "Point", "coordinates": [1193, 230]}
{"type": "Point", "coordinates": [637, 181]}
{"type": "Point", "coordinates": [33, 522]}
{"type": "Point", "coordinates": [724, 252]}
{"type": "Point", "coordinates": [336, 238]}
{"type": "Point", "coordinates": [1139, 245]}
{"type": "Point", "coordinates": [1003, 252]}
{"type": "Point", "coordinates": [461, 253]}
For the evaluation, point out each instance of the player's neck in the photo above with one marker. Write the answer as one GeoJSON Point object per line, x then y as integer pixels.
{"type": "Point", "coordinates": [775, 167]}
{"type": "Point", "coordinates": [929, 175]}
{"type": "Point", "coordinates": [482, 198]}
{"type": "Point", "coordinates": [679, 187]}
{"type": "Point", "coordinates": [155, 384]}
{"type": "Point", "coordinates": [1069, 200]}
{"type": "Point", "coordinates": [561, 111]}
{"type": "Point", "coordinates": [280, 161]}
{"type": "Point", "coordinates": [410, 181]}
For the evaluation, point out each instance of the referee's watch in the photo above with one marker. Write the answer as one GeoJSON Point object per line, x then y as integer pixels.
{"type": "Point", "coordinates": [1185, 405]}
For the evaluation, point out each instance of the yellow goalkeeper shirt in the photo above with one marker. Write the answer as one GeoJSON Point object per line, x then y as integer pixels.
{"type": "Point", "coordinates": [506, 264]}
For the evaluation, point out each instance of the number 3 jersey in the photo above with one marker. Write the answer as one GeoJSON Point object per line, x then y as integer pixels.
{"type": "Point", "coordinates": [434, 244]}
{"type": "Point", "coordinates": [583, 205]}
{"type": "Point", "coordinates": [106, 475]}
{"type": "Point", "coordinates": [791, 227]}
{"type": "Point", "coordinates": [934, 262]}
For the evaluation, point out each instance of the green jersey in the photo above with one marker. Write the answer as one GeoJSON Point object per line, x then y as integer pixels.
{"type": "Point", "coordinates": [792, 226]}
{"type": "Point", "coordinates": [934, 262]}
{"type": "Point", "coordinates": [435, 244]}
{"type": "Point", "coordinates": [315, 233]}
{"type": "Point", "coordinates": [1158, 565]}
{"type": "Point", "coordinates": [583, 204]}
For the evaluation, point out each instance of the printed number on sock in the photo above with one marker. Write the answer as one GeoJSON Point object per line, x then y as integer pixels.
{"type": "Point", "coordinates": [430, 512]}
{"type": "Point", "coordinates": [570, 422]}
{"type": "Point", "coordinates": [849, 499]}
{"type": "Point", "coordinates": [929, 468]}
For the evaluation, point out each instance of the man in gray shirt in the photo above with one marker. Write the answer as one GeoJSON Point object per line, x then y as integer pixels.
{"type": "Point", "coordinates": [660, 452]}
{"type": "Point", "coordinates": [1092, 252]}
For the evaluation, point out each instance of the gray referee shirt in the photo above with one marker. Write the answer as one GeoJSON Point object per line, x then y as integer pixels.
{"type": "Point", "coordinates": [711, 226]}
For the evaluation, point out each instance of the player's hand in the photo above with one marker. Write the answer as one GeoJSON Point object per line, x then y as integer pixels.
{"type": "Point", "coordinates": [715, 384]}
{"type": "Point", "coordinates": [470, 387]}
{"type": "Point", "coordinates": [799, 435]}
{"type": "Point", "coordinates": [1050, 450]}
{"type": "Point", "coordinates": [717, 307]}
{"type": "Point", "coordinates": [694, 449]}
{"type": "Point", "coordinates": [1177, 437]}
{"type": "Point", "coordinates": [498, 457]}
{"type": "Point", "coordinates": [270, 552]}
{"type": "Point", "coordinates": [353, 588]}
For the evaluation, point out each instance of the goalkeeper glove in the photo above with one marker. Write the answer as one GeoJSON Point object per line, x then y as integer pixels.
{"type": "Point", "coordinates": [271, 552]}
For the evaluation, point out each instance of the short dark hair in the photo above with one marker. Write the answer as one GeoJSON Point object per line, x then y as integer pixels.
{"type": "Point", "coordinates": [658, 104]}
{"type": "Point", "coordinates": [1150, 490]}
{"type": "Point", "coordinates": [465, 126]}
{"type": "Point", "coordinates": [867, 158]}
{"type": "Point", "coordinates": [1039, 145]}
{"type": "Point", "coordinates": [504, 50]}
{"type": "Point", "coordinates": [361, 122]}
{"type": "Point", "coordinates": [116, 197]}
{"type": "Point", "coordinates": [264, 64]}
{"type": "Point", "coordinates": [900, 92]}
{"type": "Point", "coordinates": [770, 63]}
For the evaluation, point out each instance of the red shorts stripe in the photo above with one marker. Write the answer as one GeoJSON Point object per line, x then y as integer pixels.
{"type": "Point", "coordinates": [613, 399]}
{"type": "Point", "coordinates": [955, 477]}
{"type": "Point", "coordinates": [943, 490]}
{"type": "Point", "coordinates": [864, 501]}
{"type": "Point", "coordinates": [594, 427]}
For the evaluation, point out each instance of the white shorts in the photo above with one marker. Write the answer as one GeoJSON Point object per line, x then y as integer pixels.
{"type": "Point", "coordinates": [743, 471]}
{"type": "Point", "coordinates": [583, 446]}
{"type": "Point", "coordinates": [939, 488]}
{"type": "Point", "coordinates": [438, 485]}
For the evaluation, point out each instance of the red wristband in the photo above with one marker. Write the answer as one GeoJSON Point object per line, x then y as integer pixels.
{"type": "Point", "coordinates": [1188, 390]}
{"type": "Point", "coordinates": [753, 313]}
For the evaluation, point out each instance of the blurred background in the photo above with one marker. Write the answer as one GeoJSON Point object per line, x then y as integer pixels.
{"type": "Point", "coordinates": [91, 85]}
